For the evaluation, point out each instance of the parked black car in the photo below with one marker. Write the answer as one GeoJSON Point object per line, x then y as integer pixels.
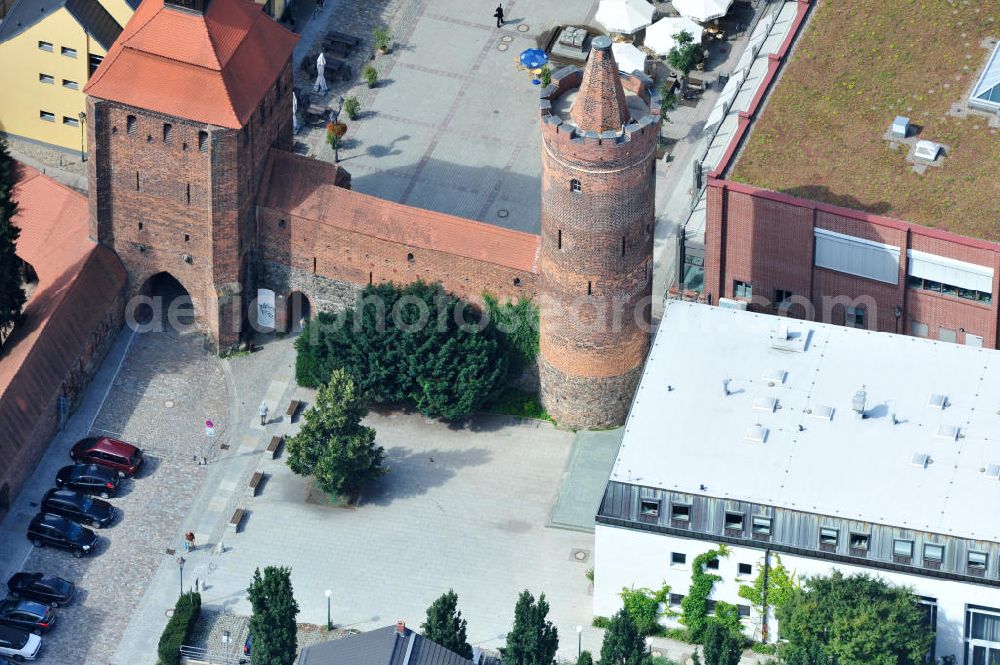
{"type": "Point", "coordinates": [79, 508]}
{"type": "Point", "coordinates": [27, 615]}
{"type": "Point", "coordinates": [48, 589]}
{"type": "Point", "coordinates": [58, 531]}
{"type": "Point", "coordinates": [90, 479]}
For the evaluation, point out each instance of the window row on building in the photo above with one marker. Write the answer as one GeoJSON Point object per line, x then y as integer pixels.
{"type": "Point", "coordinates": [167, 133]}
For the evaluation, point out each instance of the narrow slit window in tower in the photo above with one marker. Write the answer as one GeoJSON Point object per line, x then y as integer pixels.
{"type": "Point", "coordinates": [559, 239]}
{"type": "Point", "coordinates": [590, 288]}
{"type": "Point", "coordinates": [137, 181]}
{"type": "Point", "coordinates": [168, 132]}
{"type": "Point", "coordinates": [189, 193]}
{"type": "Point", "coordinates": [623, 245]}
{"type": "Point", "coordinates": [574, 185]}
{"type": "Point", "coordinates": [371, 276]}
{"type": "Point", "coordinates": [130, 125]}
{"type": "Point", "coordinates": [203, 141]}
{"type": "Point", "coordinates": [314, 265]}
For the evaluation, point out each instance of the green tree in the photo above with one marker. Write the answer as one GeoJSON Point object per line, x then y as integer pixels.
{"type": "Point", "coordinates": [721, 645]}
{"type": "Point", "coordinates": [272, 625]}
{"type": "Point", "coordinates": [445, 625]}
{"type": "Point", "coordinates": [856, 620]}
{"type": "Point", "coordinates": [532, 640]}
{"type": "Point", "coordinates": [517, 326]}
{"type": "Point", "coordinates": [12, 296]}
{"type": "Point", "coordinates": [333, 446]}
{"type": "Point", "coordinates": [585, 658]}
{"type": "Point", "coordinates": [623, 643]}
{"type": "Point", "coordinates": [668, 100]}
{"type": "Point", "coordinates": [781, 584]}
{"type": "Point", "coordinates": [685, 53]}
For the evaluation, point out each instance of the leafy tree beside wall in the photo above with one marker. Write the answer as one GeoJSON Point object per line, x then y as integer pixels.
{"type": "Point", "coordinates": [273, 631]}
{"type": "Point", "coordinates": [12, 296]}
{"type": "Point", "coordinates": [694, 607]}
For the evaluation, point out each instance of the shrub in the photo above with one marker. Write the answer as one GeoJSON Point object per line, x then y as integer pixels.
{"type": "Point", "coordinates": [186, 614]}
{"type": "Point", "coordinates": [546, 75]}
{"type": "Point", "coordinates": [352, 107]}
{"type": "Point", "coordinates": [601, 622]}
{"type": "Point", "coordinates": [383, 39]}
{"type": "Point", "coordinates": [371, 76]}
{"type": "Point", "coordinates": [643, 607]}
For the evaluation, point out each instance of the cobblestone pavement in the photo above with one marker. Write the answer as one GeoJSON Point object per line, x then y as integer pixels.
{"type": "Point", "coordinates": [160, 367]}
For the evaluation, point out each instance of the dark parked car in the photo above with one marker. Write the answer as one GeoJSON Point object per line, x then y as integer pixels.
{"type": "Point", "coordinates": [49, 589]}
{"type": "Point", "coordinates": [79, 508]}
{"type": "Point", "coordinates": [27, 615]}
{"type": "Point", "coordinates": [89, 479]}
{"type": "Point", "coordinates": [58, 531]}
{"type": "Point", "coordinates": [19, 644]}
{"type": "Point", "coordinates": [123, 457]}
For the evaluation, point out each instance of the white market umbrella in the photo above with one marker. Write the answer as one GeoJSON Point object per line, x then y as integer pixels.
{"type": "Point", "coordinates": [660, 35]}
{"type": "Point", "coordinates": [702, 10]}
{"type": "Point", "coordinates": [629, 58]}
{"type": "Point", "coordinates": [624, 16]}
{"type": "Point", "coordinates": [295, 113]}
{"type": "Point", "coordinates": [320, 74]}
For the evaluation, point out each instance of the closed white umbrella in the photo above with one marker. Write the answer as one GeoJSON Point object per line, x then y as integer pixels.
{"type": "Point", "coordinates": [702, 10]}
{"type": "Point", "coordinates": [320, 74]}
{"type": "Point", "coordinates": [629, 58]}
{"type": "Point", "coordinates": [660, 35]}
{"type": "Point", "coordinates": [624, 16]}
{"type": "Point", "coordinates": [295, 113]}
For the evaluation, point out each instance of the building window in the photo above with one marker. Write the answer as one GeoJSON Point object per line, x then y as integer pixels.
{"type": "Point", "coordinates": [676, 599]}
{"type": "Point", "coordinates": [902, 551]}
{"type": "Point", "coordinates": [68, 52]}
{"type": "Point", "coordinates": [45, 46]}
{"type": "Point", "coordinates": [744, 611]}
{"type": "Point", "coordinates": [203, 141]}
{"type": "Point", "coordinates": [761, 527]}
{"type": "Point", "coordinates": [649, 508]}
{"type": "Point", "coordinates": [947, 335]}
{"type": "Point", "coordinates": [982, 627]}
{"type": "Point", "coordinates": [859, 544]}
{"type": "Point", "coordinates": [933, 555]}
{"type": "Point", "coordinates": [48, 79]}
{"type": "Point", "coordinates": [854, 317]}
{"type": "Point", "coordinates": [130, 125]}
{"type": "Point", "coordinates": [71, 122]}
{"type": "Point", "coordinates": [712, 564]}
{"type": "Point", "coordinates": [734, 522]}
{"type": "Point", "coordinates": [137, 181]}
{"type": "Point", "coordinates": [828, 539]}
{"type": "Point", "coordinates": [678, 558]}
{"type": "Point", "coordinates": [93, 62]}
{"type": "Point", "coordinates": [168, 132]}
{"type": "Point", "coordinates": [742, 289]}
{"type": "Point", "coordinates": [918, 329]}
{"type": "Point", "coordinates": [744, 569]}
{"type": "Point", "coordinates": [559, 239]}
{"type": "Point", "coordinates": [187, 237]}
{"type": "Point", "coordinates": [977, 563]}
{"type": "Point", "coordinates": [140, 226]}
{"type": "Point", "coordinates": [72, 85]}
{"type": "Point", "coordinates": [574, 185]}
{"type": "Point", "coordinates": [710, 607]}
{"type": "Point", "coordinates": [680, 514]}
{"type": "Point", "coordinates": [590, 288]}
{"type": "Point", "coordinates": [46, 116]}
{"type": "Point", "coordinates": [782, 298]}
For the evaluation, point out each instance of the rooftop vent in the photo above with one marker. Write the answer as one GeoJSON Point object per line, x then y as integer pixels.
{"type": "Point", "coordinates": [937, 401]}
{"type": "Point", "coordinates": [900, 127]}
{"type": "Point", "coordinates": [859, 401]}
{"type": "Point", "coordinates": [765, 404]}
{"type": "Point", "coordinates": [948, 432]}
{"type": "Point", "coordinates": [920, 459]}
{"type": "Point", "coordinates": [822, 412]}
{"type": "Point", "coordinates": [756, 433]}
{"type": "Point", "coordinates": [993, 471]}
{"type": "Point", "coordinates": [775, 376]}
{"type": "Point", "coordinates": [784, 338]}
{"type": "Point", "coordinates": [927, 150]}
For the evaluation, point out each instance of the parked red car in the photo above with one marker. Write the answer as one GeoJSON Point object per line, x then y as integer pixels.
{"type": "Point", "coordinates": [123, 457]}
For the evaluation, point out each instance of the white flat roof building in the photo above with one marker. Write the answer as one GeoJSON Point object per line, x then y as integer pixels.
{"type": "Point", "coordinates": [832, 446]}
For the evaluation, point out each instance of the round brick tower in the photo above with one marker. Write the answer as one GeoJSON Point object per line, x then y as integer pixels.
{"type": "Point", "coordinates": [599, 131]}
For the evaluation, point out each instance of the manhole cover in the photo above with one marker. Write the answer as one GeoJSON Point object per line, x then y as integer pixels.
{"type": "Point", "coordinates": [169, 404]}
{"type": "Point", "coordinates": [502, 47]}
{"type": "Point", "coordinates": [523, 28]}
{"type": "Point", "coordinates": [169, 613]}
{"type": "Point", "coordinates": [579, 555]}
{"type": "Point", "coordinates": [506, 39]}
{"type": "Point", "coordinates": [502, 212]}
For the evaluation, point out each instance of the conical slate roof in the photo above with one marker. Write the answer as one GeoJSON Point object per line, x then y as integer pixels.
{"type": "Point", "coordinates": [600, 105]}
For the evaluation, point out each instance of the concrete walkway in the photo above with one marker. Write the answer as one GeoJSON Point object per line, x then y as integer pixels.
{"type": "Point", "coordinates": [586, 476]}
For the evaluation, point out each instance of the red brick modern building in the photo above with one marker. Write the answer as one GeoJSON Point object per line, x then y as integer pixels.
{"type": "Point", "coordinates": [819, 211]}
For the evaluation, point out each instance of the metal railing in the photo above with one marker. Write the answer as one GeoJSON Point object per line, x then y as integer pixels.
{"type": "Point", "coordinates": [231, 656]}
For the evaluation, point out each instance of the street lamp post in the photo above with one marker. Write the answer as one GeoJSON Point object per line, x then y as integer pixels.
{"type": "Point", "coordinates": [83, 154]}
{"type": "Point", "coordinates": [180, 567]}
{"type": "Point", "coordinates": [329, 622]}
{"type": "Point", "coordinates": [579, 642]}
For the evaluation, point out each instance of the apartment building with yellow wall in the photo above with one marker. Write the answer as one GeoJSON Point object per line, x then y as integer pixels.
{"type": "Point", "coordinates": [48, 50]}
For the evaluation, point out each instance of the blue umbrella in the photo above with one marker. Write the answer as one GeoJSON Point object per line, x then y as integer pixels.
{"type": "Point", "coordinates": [533, 58]}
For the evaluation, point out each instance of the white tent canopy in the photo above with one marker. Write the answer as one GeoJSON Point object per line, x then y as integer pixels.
{"type": "Point", "coordinates": [624, 16]}
{"type": "Point", "coordinates": [702, 10]}
{"type": "Point", "coordinates": [660, 35]}
{"type": "Point", "coordinates": [629, 58]}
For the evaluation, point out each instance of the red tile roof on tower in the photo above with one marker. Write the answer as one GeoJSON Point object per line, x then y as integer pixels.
{"type": "Point", "coordinates": [213, 67]}
{"type": "Point", "coordinates": [600, 105]}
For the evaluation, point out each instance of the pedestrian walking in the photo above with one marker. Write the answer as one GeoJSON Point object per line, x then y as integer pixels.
{"type": "Point", "coordinates": [498, 14]}
{"type": "Point", "coordinates": [262, 410]}
{"type": "Point", "coordinates": [189, 541]}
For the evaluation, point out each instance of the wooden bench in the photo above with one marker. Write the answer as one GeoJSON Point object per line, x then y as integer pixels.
{"type": "Point", "coordinates": [274, 445]}
{"type": "Point", "coordinates": [350, 40]}
{"type": "Point", "coordinates": [293, 407]}
{"type": "Point", "coordinates": [255, 480]}
{"type": "Point", "coordinates": [234, 521]}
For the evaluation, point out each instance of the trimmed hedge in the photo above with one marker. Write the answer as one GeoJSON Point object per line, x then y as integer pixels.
{"type": "Point", "coordinates": [186, 614]}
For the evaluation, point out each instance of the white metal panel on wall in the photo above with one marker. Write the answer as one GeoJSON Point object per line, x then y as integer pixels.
{"type": "Point", "coordinates": [857, 256]}
{"type": "Point", "coordinates": [949, 271]}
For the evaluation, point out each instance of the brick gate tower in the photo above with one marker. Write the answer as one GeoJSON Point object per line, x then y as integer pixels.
{"type": "Point", "coordinates": [181, 116]}
{"type": "Point", "coordinates": [599, 132]}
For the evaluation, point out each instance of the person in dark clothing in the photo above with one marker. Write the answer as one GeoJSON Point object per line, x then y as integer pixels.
{"type": "Point", "coordinates": [499, 15]}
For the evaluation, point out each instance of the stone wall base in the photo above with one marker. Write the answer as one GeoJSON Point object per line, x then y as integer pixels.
{"type": "Point", "coordinates": [584, 402]}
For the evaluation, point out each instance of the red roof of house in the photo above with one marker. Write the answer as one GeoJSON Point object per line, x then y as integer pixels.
{"type": "Point", "coordinates": [78, 282]}
{"type": "Point", "coordinates": [304, 187]}
{"type": "Point", "coordinates": [213, 67]}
